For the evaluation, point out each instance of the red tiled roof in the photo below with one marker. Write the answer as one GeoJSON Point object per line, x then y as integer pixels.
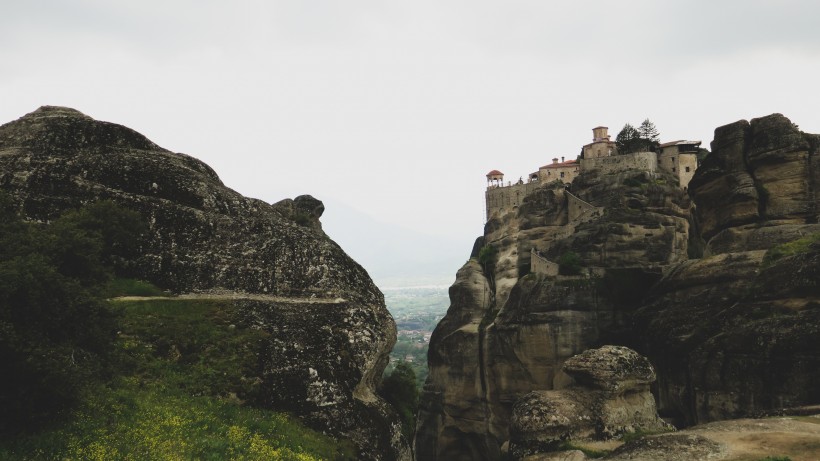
{"type": "Point", "coordinates": [568, 163]}
{"type": "Point", "coordinates": [495, 172]}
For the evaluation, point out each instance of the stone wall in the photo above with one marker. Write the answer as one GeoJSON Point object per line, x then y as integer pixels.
{"type": "Point", "coordinates": [641, 161]}
{"type": "Point", "coordinates": [501, 198]}
{"type": "Point", "coordinates": [581, 211]}
{"type": "Point", "coordinates": [564, 173]}
{"type": "Point", "coordinates": [599, 149]}
{"type": "Point", "coordinates": [541, 265]}
{"type": "Point", "coordinates": [682, 165]}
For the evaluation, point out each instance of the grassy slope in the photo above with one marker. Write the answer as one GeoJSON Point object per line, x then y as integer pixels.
{"type": "Point", "coordinates": [184, 372]}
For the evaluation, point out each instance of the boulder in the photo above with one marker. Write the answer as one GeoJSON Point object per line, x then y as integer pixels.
{"type": "Point", "coordinates": [613, 369]}
{"type": "Point", "coordinates": [610, 397]}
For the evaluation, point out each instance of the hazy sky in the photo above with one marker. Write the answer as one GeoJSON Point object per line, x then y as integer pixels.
{"type": "Point", "coordinates": [399, 108]}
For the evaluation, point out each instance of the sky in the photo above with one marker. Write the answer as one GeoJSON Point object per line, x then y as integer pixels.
{"type": "Point", "coordinates": [394, 111]}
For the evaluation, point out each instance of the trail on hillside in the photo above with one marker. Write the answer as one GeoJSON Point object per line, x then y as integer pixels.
{"type": "Point", "coordinates": [232, 295]}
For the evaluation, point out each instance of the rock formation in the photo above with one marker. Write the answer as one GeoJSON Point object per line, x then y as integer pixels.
{"type": "Point", "coordinates": [611, 398]}
{"type": "Point", "coordinates": [728, 332]}
{"type": "Point", "coordinates": [205, 236]}
{"type": "Point", "coordinates": [508, 331]}
{"type": "Point", "coordinates": [733, 334]}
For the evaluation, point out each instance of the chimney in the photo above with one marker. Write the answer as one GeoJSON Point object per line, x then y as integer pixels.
{"type": "Point", "coordinates": [554, 161]}
{"type": "Point", "coordinates": [562, 159]}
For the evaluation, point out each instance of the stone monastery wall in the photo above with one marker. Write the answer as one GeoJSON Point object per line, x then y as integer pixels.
{"type": "Point", "coordinates": [641, 161]}
{"type": "Point", "coordinates": [507, 197]}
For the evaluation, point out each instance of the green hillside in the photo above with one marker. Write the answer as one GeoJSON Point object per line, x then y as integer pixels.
{"type": "Point", "coordinates": [183, 387]}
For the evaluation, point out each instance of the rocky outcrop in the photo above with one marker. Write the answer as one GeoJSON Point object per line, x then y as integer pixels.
{"type": "Point", "coordinates": [730, 332]}
{"type": "Point", "coordinates": [610, 398]}
{"type": "Point", "coordinates": [759, 185]}
{"type": "Point", "coordinates": [736, 333]}
{"type": "Point", "coordinates": [512, 337]}
{"type": "Point", "coordinates": [204, 236]}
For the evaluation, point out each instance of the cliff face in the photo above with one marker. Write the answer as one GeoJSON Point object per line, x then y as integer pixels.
{"type": "Point", "coordinates": [733, 334]}
{"type": "Point", "coordinates": [508, 331]}
{"type": "Point", "coordinates": [205, 236]}
{"type": "Point", "coordinates": [728, 334]}
{"type": "Point", "coordinates": [759, 186]}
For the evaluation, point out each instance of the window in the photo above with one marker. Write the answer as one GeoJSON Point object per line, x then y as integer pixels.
{"type": "Point", "coordinates": [687, 169]}
{"type": "Point", "coordinates": [673, 169]}
{"type": "Point", "coordinates": [562, 174]}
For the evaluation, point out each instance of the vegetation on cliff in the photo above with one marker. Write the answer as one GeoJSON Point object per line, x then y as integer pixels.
{"type": "Point", "coordinates": [56, 331]}
{"type": "Point", "coordinates": [203, 236]}
{"type": "Point", "coordinates": [84, 378]}
{"type": "Point", "coordinates": [182, 387]}
{"type": "Point", "coordinates": [399, 389]}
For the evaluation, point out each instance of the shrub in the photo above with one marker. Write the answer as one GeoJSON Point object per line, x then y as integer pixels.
{"type": "Point", "coordinates": [569, 263]}
{"type": "Point", "coordinates": [487, 255]}
{"type": "Point", "coordinates": [55, 331]}
{"type": "Point", "coordinates": [131, 287]}
{"type": "Point", "coordinates": [399, 390]}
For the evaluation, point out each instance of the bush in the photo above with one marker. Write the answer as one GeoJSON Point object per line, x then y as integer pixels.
{"type": "Point", "coordinates": [399, 390]}
{"type": "Point", "coordinates": [569, 263]}
{"type": "Point", "coordinates": [131, 287]}
{"type": "Point", "coordinates": [55, 331]}
{"type": "Point", "coordinates": [487, 255]}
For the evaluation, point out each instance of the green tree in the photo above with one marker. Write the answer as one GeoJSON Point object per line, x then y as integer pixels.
{"type": "Point", "coordinates": [648, 131]}
{"type": "Point", "coordinates": [399, 390]}
{"type": "Point", "coordinates": [569, 263]}
{"type": "Point", "coordinates": [628, 139]}
{"type": "Point", "coordinates": [644, 138]}
{"type": "Point", "coordinates": [55, 331]}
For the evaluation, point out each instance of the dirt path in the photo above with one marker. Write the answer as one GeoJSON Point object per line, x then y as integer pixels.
{"type": "Point", "coordinates": [753, 439]}
{"type": "Point", "coordinates": [229, 296]}
{"type": "Point", "coordinates": [797, 437]}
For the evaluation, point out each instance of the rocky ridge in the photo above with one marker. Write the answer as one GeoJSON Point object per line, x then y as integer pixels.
{"type": "Point", "coordinates": [729, 333]}
{"type": "Point", "coordinates": [203, 236]}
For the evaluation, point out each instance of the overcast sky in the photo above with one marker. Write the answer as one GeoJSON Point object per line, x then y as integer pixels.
{"type": "Point", "coordinates": [399, 108]}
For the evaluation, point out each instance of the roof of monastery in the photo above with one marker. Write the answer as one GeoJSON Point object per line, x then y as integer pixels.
{"type": "Point", "coordinates": [675, 143]}
{"type": "Point", "coordinates": [495, 172]}
{"type": "Point", "coordinates": [568, 163]}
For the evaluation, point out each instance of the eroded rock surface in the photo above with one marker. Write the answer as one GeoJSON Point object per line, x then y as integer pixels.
{"type": "Point", "coordinates": [326, 352]}
{"type": "Point", "coordinates": [610, 398]}
{"type": "Point", "coordinates": [512, 333]}
{"type": "Point", "coordinates": [733, 334]}
{"type": "Point", "coordinates": [759, 185]}
{"type": "Point", "coordinates": [728, 333]}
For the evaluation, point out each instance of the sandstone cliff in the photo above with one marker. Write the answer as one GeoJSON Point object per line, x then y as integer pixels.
{"type": "Point", "coordinates": [728, 333]}
{"type": "Point", "coordinates": [508, 331]}
{"type": "Point", "coordinates": [734, 333]}
{"type": "Point", "coordinates": [204, 236]}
